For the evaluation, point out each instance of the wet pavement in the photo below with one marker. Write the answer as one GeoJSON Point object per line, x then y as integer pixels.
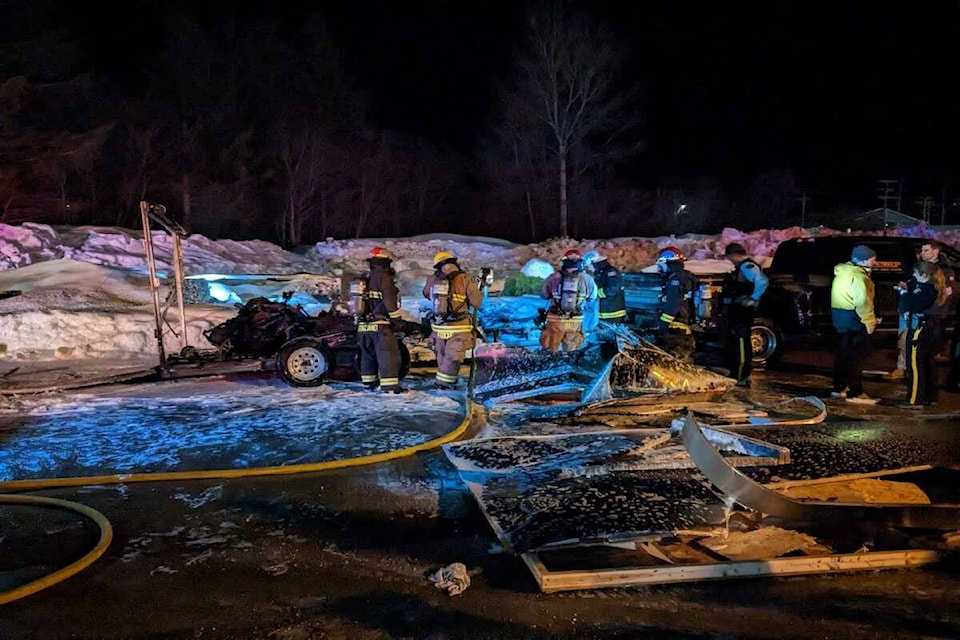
{"type": "Point", "coordinates": [346, 554]}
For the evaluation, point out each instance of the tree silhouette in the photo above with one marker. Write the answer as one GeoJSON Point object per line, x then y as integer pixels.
{"type": "Point", "coordinates": [565, 98]}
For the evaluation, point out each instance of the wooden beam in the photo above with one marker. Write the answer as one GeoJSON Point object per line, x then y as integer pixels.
{"type": "Point", "coordinates": [786, 484]}
{"type": "Point", "coordinates": [553, 581]}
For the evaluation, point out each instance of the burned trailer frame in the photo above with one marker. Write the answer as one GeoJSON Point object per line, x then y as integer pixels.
{"type": "Point", "coordinates": [305, 350]}
{"type": "Point", "coordinates": [308, 349]}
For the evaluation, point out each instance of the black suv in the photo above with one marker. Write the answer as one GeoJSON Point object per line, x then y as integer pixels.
{"type": "Point", "coordinates": [797, 302]}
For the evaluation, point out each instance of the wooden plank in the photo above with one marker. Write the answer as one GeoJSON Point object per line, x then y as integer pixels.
{"type": "Point", "coordinates": [786, 484]}
{"type": "Point", "coordinates": [532, 560]}
{"type": "Point", "coordinates": [554, 581]}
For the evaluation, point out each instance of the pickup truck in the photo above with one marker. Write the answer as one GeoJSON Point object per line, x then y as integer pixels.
{"type": "Point", "coordinates": [796, 306]}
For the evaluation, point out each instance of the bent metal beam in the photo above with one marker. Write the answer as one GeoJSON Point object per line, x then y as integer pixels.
{"type": "Point", "coordinates": [753, 495]}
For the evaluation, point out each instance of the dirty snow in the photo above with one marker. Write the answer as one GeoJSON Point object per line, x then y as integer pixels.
{"type": "Point", "coordinates": [86, 294]}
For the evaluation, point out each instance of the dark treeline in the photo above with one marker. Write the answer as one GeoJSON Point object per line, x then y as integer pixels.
{"type": "Point", "coordinates": [248, 123]}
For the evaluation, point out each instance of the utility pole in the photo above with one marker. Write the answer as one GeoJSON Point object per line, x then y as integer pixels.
{"type": "Point", "coordinates": [926, 206]}
{"type": "Point", "coordinates": [943, 204]}
{"type": "Point", "coordinates": [803, 209]}
{"type": "Point", "coordinates": [886, 190]}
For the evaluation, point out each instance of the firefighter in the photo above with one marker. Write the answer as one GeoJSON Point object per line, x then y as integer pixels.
{"type": "Point", "coordinates": [613, 306]}
{"type": "Point", "coordinates": [376, 302]}
{"type": "Point", "coordinates": [455, 298]}
{"type": "Point", "coordinates": [742, 290]}
{"type": "Point", "coordinates": [677, 309]}
{"type": "Point", "coordinates": [567, 290]}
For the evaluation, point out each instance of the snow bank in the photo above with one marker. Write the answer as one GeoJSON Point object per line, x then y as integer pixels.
{"type": "Point", "coordinates": [86, 293]}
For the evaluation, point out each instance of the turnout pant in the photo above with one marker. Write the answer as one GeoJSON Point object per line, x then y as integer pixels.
{"type": "Point", "coordinates": [559, 332]}
{"type": "Point", "coordinates": [852, 348]}
{"type": "Point", "coordinates": [379, 357]}
{"type": "Point", "coordinates": [921, 361]}
{"type": "Point", "coordinates": [738, 348]}
{"type": "Point", "coordinates": [450, 354]}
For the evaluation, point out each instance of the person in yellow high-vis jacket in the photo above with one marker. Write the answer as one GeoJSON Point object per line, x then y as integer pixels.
{"type": "Point", "coordinates": [854, 318]}
{"type": "Point", "coordinates": [454, 296]}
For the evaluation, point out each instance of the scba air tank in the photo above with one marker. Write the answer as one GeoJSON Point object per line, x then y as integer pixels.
{"type": "Point", "coordinates": [358, 297]}
{"type": "Point", "coordinates": [569, 293]}
{"type": "Point", "coordinates": [440, 294]}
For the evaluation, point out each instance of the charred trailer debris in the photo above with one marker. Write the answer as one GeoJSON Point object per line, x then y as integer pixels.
{"type": "Point", "coordinates": [308, 349]}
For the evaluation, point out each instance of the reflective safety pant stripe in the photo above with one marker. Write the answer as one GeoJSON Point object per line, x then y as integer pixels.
{"type": "Point", "coordinates": [612, 315]}
{"type": "Point", "coordinates": [448, 331]}
{"type": "Point", "coordinates": [921, 371]}
{"type": "Point", "coordinates": [450, 354]}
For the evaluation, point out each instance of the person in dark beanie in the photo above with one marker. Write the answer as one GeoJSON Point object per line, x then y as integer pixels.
{"type": "Point", "coordinates": [851, 309]}
{"type": "Point", "coordinates": [742, 290]}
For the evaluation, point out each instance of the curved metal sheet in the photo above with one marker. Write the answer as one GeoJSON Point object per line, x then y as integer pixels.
{"type": "Point", "coordinates": [816, 402]}
{"type": "Point", "coordinates": [753, 495]}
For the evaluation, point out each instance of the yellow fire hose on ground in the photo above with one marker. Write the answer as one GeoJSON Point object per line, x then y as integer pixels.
{"type": "Point", "coordinates": [106, 531]}
{"type": "Point", "coordinates": [106, 535]}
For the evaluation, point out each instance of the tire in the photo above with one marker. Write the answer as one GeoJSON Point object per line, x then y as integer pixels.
{"type": "Point", "coordinates": [304, 362]}
{"type": "Point", "coordinates": [766, 341]}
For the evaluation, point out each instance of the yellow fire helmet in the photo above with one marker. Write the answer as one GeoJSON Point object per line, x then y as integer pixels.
{"type": "Point", "coordinates": [442, 258]}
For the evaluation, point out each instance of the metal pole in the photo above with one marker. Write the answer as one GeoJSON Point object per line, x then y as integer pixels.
{"type": "Point", "coordinates": [154, 283]}
{"type": "Point", "coordinates": [178, 277]}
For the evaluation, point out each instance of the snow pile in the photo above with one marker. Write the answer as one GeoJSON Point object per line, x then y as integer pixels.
{"type": "Point", "coordinates": [86, 293]}
{"type": "Point", "coordinates": [75, 310]}
{"type": "Point", "coordinates": [30, 243]}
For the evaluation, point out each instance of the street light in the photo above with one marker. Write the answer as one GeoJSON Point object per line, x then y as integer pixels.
{"type": "Point", "coordinates": [680, 209]}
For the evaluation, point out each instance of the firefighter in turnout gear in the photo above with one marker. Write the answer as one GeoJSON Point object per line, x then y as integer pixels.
{"type": "Point", "coordinates": [375, 301]}
{"type": "Point", "coordinates": [677, 308]}
{"type": "Point", "coordinates": [613, 305]}
{"type": "Point", "coordinates": [567, 290]}
{"type": "Point", "coordinates": [742, 290]}
{"type": "Point", "coordinates": [455, 298]}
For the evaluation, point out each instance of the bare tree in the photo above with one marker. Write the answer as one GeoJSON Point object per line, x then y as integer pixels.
{"type": "Point", "coordinates": [567, 80]}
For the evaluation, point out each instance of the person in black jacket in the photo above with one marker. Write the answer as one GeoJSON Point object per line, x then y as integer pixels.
{"type": "Point", "coordinates": [379, 349]}
{"type": "Point", "coordinates": [926, 291]}
{"type": "Point", "coordinates": [930, 251]}
{"type": "Point", "coordinates": [677, 310]}
{"type": "Point", "coordinates": [613, 305]}
{"type": "Point", "coordinates": [742, 290]}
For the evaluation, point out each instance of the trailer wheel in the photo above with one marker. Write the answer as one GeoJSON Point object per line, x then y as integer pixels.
{"type": "Point", "coordinates": [304, 362]}
{"type": "Point", "coordinates": [765, 341]}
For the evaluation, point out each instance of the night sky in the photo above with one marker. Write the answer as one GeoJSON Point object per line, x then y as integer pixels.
{"type": "Point", "coordinates": [841, 93]}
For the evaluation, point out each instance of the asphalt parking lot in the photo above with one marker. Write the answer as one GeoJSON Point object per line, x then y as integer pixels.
{"type": "Point", "coordinates": [346, 554]}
